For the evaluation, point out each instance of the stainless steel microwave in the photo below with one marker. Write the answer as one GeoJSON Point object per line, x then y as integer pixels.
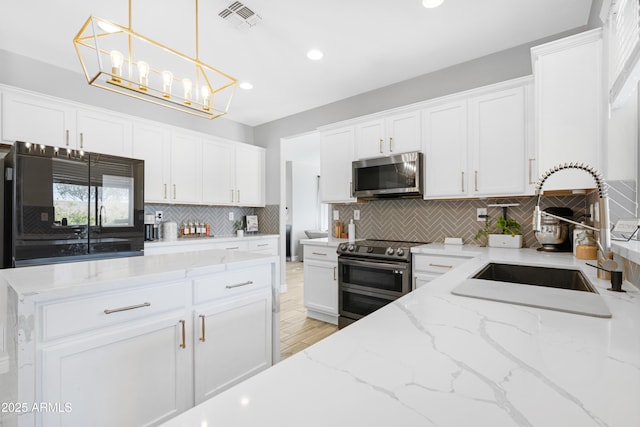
{"type": "Point", "coordinates": [396, 176]}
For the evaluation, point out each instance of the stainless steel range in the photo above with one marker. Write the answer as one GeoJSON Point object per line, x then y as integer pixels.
{"type": "Point", "coordinates": [371, 274]}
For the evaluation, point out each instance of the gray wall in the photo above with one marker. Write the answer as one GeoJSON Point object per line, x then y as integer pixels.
{"type": "Point", "coordinates": [26, 73]}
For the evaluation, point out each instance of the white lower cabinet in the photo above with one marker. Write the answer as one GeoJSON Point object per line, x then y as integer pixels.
{"type": "Point", "coordinates": [140, 356]}
{"type": "Point", "coordinates": [428, 267]}
{"type": "Point", "coordinates": [321, 283]}
{"type": "Point", "coordinates": [232, 343]}
{"type": "Point", "coordinates": [131, 376]}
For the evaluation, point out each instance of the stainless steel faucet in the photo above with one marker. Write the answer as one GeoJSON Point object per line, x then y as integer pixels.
{"type": "Point", "coordinates": [605, 260]}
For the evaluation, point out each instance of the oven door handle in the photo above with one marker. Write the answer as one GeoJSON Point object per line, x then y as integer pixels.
{"type": "Point", "coordinates": [374, 264]}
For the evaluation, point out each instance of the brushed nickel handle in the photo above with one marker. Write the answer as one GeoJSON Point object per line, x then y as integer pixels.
{"type": "Point", "coordinates": [530, 170]}
{"type": "Point", "coordinates": [183, 344]}
{"type": "Point", "coordinates": [351, 189]}
{"type": "Point", "coordinates": [462, 181]}
{"type": "Point", "coordinates": [476, 179]}
{"type": "Point", "coordinates": [334, 273]}
{"type": "Point", "coordinates": [202, 335]}
{"type": "Point", "coordinates": [235, 247]}
{"type": "Point", "coordinates": [318, 253]}
{"type": "Point", "coordinates": [81, 140]}
{"type": "Point", "coordinates": [391, 144]}
{"type": "Point", "coordinates": [380, 146]}
{"type": "Point", "coordinates": [232, 197]}
{"type": "Point", "coordinates": [175, 193]}
{"type": "Point", "coordinates": [263, 244]}
{"type": "Point", "coordinates": [440, 265]}
{"type": "Point", "coordinates": [130, 307]}
{"type": "Point", "coordinates": [237, 285]}
{"type": "Point", "coordinates": [67, 137]}
{"type": "Point", "coordinates": [165, 191]}
{"type": "Point", "coordinates": [238, 191]}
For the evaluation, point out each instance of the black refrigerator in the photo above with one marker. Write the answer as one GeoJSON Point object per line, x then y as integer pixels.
{"type": "Point", "coordinates": [63, 205]}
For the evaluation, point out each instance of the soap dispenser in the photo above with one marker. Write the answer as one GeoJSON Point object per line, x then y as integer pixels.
{"type": "Point", "coordinates": [352, 232]}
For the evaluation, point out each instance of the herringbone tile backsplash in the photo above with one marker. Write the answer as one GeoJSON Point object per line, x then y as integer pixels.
{"type": "Point", "coordinates": [433, 220]}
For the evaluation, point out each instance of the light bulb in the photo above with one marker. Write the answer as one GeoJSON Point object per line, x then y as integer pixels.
{"type": "Point", "coordinates": [116, 65]}
{"type": "Point", "coordinates": [167, 79]}
{"type": "Point", "coordinates": [187, 85]}
{"type": "Point", "coordinates": [143, 75]}
{"type": "Point", "coordinates": [430, 4]}
{"type": "Point", "coordinates": [206, 97]}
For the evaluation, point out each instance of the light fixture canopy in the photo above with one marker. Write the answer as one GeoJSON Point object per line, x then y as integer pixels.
{"type": "Point", "coordinates": [430, 4]}
{"type": "Point", "coordinates": [116, 58]}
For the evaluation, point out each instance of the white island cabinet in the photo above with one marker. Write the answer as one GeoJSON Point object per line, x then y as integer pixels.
{"type": "Point", "coordinates": [135, 341]}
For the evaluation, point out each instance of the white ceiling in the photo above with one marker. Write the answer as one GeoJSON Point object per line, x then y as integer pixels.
{"type": "Point", "coordinates": [367, 44]}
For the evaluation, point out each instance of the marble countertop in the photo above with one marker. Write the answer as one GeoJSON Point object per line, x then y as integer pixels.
{"type": "Point", "coordinates": [207, 240]}
{"type": "Point", "coordinates": [435, 359]}
{"type": "Point", "coordinates": [76, 278]}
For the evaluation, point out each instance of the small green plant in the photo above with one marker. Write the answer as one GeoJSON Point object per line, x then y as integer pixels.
{"type": "Point", "coordinates": [503, 226]}
{"type": "Point", "coordinates": [238, 224]}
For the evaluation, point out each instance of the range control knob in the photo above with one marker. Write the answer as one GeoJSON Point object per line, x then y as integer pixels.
{"type": "Point", "coordinates": [343, 247]}
{"type": "Point", "coordinates": [352, 248]}
{"type": "Point", "coordinates": [390, 251]}
{"type": "Point", "coordinates": [400, 252]}
{"type": "Point", "coordinates": [369, 250]}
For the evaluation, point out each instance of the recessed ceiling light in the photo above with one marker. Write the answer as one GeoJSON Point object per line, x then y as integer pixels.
{"type": "Point", "coordinates": [246, 85]}
{"type": "Point", "coordinates": [315, 54]}
{"type": "Point", "coordinates": [430, 4]}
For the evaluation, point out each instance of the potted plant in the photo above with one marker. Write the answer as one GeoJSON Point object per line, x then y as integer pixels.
{"type": "Point", "coordinates": [506, 234]}
{"type": "Point", "coordinates": [239, 228]}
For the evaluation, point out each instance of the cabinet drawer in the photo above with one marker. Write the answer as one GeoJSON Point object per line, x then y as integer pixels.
{"type": "Point", "coordinates": [326, 253]}
{"type": "Point", "coordinates": [264, 246]}
{"type": "Point", "coordinates": [102, 310]}
{"type": "Point", "coordinates": [437, 263]}
{"type": "Point", "coordinates": [231, 283]}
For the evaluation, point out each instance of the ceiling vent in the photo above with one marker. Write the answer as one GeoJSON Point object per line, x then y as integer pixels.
{"type": "Point", "coordinates": [239, 15]}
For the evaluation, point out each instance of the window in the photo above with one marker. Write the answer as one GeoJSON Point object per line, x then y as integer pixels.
{"type": "Point", "coordinates": [624, 30]}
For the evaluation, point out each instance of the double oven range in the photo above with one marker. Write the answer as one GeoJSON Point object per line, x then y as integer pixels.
{"type": "Point", "coordinates": [371, 274]}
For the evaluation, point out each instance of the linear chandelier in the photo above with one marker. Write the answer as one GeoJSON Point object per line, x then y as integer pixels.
{"type": "Point", "coordinates": [120, 60]}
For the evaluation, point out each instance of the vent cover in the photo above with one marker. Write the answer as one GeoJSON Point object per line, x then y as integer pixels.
{"type": "Point", "coordinates": [239, 15]}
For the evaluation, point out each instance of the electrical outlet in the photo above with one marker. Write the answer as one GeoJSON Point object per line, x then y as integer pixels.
{"type": "Point", "coordinates": [159, 216]}
{"type": "Point", "coordinates": [356, 214]}
{"type": "Point", "coordinates": [481, 214]}
{"type": "Point", "coordinates": [230, 216]}
{"type": "Point", "coordinates": [336, 215]}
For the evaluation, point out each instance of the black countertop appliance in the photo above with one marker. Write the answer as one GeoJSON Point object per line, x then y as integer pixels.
{"type": "Point", "coordinates": [64, 205]}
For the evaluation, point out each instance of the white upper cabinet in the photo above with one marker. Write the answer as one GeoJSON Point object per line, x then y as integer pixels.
{"type": "Point", "coordinates": [99, 132]}
{"type": "Point", "coordinates": [569, 107]}
{"type": "Point", "coordinates": [336, 156]}
{"type": "Point", "coordinates": [399, 133]}
{"type": "Point", "coordinates": [498, 143]}
{"type": "Point", "coordinates": [477, 145]}
{"type": "Point", "coordinates": [37, 120]}
{"type": "Point", "coordinates": [249, 174]}
{"type": "Point", "coordinates": [153, 145]}
{"type": "Point", "coordinates": [446, 140]}
{"type": "Point", "coordinates": [186, 168]}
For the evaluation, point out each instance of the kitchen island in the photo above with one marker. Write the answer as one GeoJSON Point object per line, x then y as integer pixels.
{"type": "Point", "coordinates": [135, 341]}
{"type": "Point", "coordinates": [432, 358]}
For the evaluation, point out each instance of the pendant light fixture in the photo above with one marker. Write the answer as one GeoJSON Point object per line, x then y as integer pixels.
{"type": "Point", "coordinates": [116, 58]}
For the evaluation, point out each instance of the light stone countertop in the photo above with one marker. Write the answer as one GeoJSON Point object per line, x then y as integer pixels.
{"type": "Point", "coordinates": [208, 240]}
{"type": "Point", "coordinates": [432, 358]}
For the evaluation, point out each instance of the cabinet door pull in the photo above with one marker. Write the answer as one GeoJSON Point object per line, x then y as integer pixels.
{"type": "Point", "coordinates": [232, 248]}
{"type": "Point", "coordinates": [237, 285]}
{"type": "Point", "coordinates": [165, 191]}
{"type": "Point", "coordinates": [202, 335]}
{"type": "Point", "coordinates": [130, 307]}
{"type": "Point", "coordinates": [440, 265]}
{"type": "Point", "coordinates": [263, 244]}
{"type": "Point", "coordinates": [476, 179]}
{"type": "Point", "coordinates": [334, 273]}
{"type": "Point", "coordinates": [232, 198]}
{"type": "Point", "coordinates": [67, 137]}
{"type": "Point", "coordinates": [175, 194]}
{"type": "Point", "coordinates": [531, 170]}
{"type": "Point", "coordinates": [391, 144]}
{"type": "Point", "coordinates": [183, 344]}
{"type": "Point", "coordinates": [238, 196]}
{"type": "Point", "coordinates": [318, 253]}
{"type": "Point", "coordinates": [380, 146]}
{"type": "Point", "coordinates": [462, 181]}
{"type": "Point", "coordinates": [81, 140]}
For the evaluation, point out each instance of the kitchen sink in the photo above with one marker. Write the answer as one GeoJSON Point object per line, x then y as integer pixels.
{"type": "Point", "coordinates": [559, 289]}
{"type": "Point", "coordinates": [561, 278]}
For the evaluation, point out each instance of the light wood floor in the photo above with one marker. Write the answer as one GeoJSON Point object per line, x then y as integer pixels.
{"type": "Point", "coordinates": [297, 331]}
